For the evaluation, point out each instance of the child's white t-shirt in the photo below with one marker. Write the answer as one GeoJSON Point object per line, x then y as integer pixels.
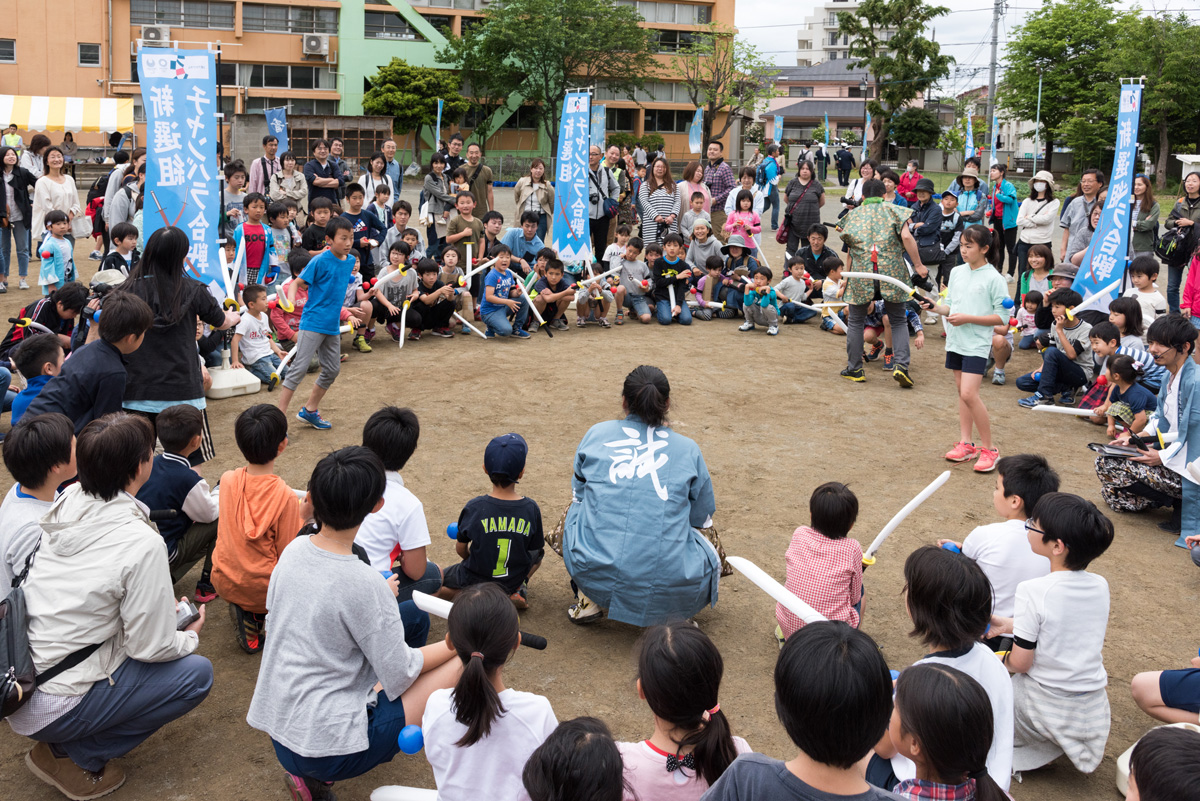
{"type": "Point", "coordinates": [256, 338]}
{"type": "Point", "coordinates": [1153, 304]}
{"type": "Point", "coordinates": [1002, 551]}
{"type": "Point", "coordinates": [1065, 614]}
{"type": "Point", "coordinates": [352, 288]}
{"type": "Point", "coordinates": [613, 255]}
{"type": "Point", "coordinates": [399, 526]}
{"type": "Point", "coordinates": [981, 664]}
{"type": "Point", "coordinates": [646, 772]}
{"type": "Point", "coordinates": [491, 768]}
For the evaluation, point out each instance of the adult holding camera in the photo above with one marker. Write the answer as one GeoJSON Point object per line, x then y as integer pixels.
{"type": "Point", "coordinates": [602, 188]}
{"type": "Point", "coordinates": [854, 192]}
{"type": "Point", "coordinates": [101, 615]}
{"type": "Point", "coordinates": [166, 371]}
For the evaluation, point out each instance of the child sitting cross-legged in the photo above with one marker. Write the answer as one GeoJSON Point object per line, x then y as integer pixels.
{"type": "Point", "coordinates": [833, 695]}
{"type": "Point", "coordinates": [1002, 550]}
{"type": "Point", "coordinates": [949, 600]}
{"type": "Point", "coordinates": [480, 734]}
{"type": "Point", "coordinates": [337, 682]}
{"type": "Point", "coordinates": [252, 346]}
{"type": "Point", "coordinates": [286, 324]}
{"type": "Point", "coordinates": [434, 305]}
{"type": "Point", "coordinates": [1058, 629]}
{"type": "Point", "coordinates": [175, 485]}
{"type": "Point", "coordinates": [824, 565]}
{"type": "Point", "coordinates": [499, 534]}
{"type": "Point", "coordinates": [679, 678]}
{"type": "Point", "coordinates": [259, 516]}
{"type": "Point", "coordinates": [944, 724]}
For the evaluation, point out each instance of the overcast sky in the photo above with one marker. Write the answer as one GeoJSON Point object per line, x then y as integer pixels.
{"type": "Point", "coordinates": [964, 33]}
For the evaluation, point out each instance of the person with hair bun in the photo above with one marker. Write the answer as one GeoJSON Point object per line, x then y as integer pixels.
{"type": "Point", "coordinates": [640, 493]}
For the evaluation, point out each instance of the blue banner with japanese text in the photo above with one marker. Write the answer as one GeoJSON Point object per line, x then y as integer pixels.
{"type": "Point", "coordinates": [696, 132]}
{"type": "Point", "coordinates": [572, 226]}
{"type": "Point", "coordinates": [1105, 258]}
{"type": "Point", "coordinates": [277, 127]}
{"type": "Point", "coordinates": [598, 120]}
{"type": "Point", "coordinates": [969, 146]}
{"type": "Point", "coordinates": [179, 91]}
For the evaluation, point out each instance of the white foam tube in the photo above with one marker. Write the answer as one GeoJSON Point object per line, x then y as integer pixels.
{"type": "Point", "coordinates": [671, 292]}
{"type": "Point", "coordinates": [771, 587]}
{"type": "Point", "coordinates": [229, 293]}
{"type": "Point", "coordinates": [392, 276]}
{"type": "Point", "coordinates": [463, 320]}
{"type": "Point", "coordinates": [868, 557]}
{"type": "Point", "coordinates": [403, 319]}
{"type": "Point", "coordinates": [278, 371]}
{"type": "Point", "coordinates": [585, 282]}
{"type": "Point", "coordinates": [836, 320]}
{"type": "Point", "coordinates": [434, 606]}
{"type": "Point", "coordinates": [469, 265]}
{"type": "Point", "coordinates": [1066, 410]}
{"type": "Point", "coordinates": [524, 291]}
{"type": "Point", "coordinates": [705, 305]}
{"type": "Point", "coordinates": [462, 281]}
{"type": "Point", "coordinates": [879, 277]}
{"type": "Point", "coordinates": [395, 792]}
{"type": "Point", "coordinates": [1101, 294]}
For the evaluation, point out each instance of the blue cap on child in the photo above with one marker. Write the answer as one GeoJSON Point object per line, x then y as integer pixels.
{"type": "Point", "coordinates": [505, 454]}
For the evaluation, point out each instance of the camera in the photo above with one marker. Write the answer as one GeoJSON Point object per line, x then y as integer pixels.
{"type": "Point", "coordinates": [186, 614]}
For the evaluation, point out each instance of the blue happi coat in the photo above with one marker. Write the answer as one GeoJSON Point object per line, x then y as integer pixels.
{"type": "Point", "coordinates": [630, 540]}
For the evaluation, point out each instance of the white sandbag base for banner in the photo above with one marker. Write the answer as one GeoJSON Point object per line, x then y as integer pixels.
{"type": "Point", "coordinates": [229, 382]}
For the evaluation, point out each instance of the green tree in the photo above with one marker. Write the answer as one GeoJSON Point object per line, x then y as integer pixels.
{"type": "Point", "coordinates": [916, 129]}
{"type": "Point", "coordinates": [902, 66]}
{"type": "Point", "coordinates": [723, 74]}
{"type": "Point", "coordinates": [542, 48]}
{"type": "Point", "coordinates": [1066, 44]}
{"type": "Point", "coordinates": [409, 95]}
{"type": "Point", "coordinates": [954, 138]}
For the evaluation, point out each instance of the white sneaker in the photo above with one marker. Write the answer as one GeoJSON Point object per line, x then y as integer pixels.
{"type": "Point", "coordinates": [746, 327]}
{"type": "Point", "coordinates": [1008, 277]}
{"type": "Point", "coordinates": [24, 284]}
{"type": "Point", "coordinates": [773, 330]}
{"type": "Point", "coordinates": [95, 255]}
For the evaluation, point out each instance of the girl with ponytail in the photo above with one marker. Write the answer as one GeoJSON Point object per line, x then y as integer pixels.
{"type": "Point", "coordinates": [942, 721]}
{"type": "Point", "coordinates": [479, 735]}
{"type": "Point", "coordinates": [679, 676]}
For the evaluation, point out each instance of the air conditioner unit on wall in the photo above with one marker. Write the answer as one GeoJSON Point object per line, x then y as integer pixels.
{"type": "Point", "coordinates": [315, 44]}
{"type": "Point", "coordinates": [155, 34]}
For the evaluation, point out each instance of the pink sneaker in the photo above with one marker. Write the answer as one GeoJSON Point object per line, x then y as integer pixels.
{"type": "Point", "coordinates": [962, 452]}
{"type": "Point", "coordinates": [987, 460]}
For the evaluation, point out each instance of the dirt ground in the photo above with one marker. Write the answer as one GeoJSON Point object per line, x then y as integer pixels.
{"type": "Point", "coordinates": [773, 419]}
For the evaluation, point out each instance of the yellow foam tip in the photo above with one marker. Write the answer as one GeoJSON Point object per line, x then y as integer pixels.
{"type": "Point", "coordinates": [231, 304]}
{"type": "Point", "coordinates": [282, 302]}
{"type": "Point", "coordinates": [1002, 655]}
{"type": "Point", "coordinates": [1161, 443]}
{"type": "Point", "coordinates": [1071, 313]}
{"type": "Point", "coordinates": [868, 561]}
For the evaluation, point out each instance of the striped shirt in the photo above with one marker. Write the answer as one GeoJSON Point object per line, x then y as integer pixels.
{"type": "Point", "coordinates": [663, 201]}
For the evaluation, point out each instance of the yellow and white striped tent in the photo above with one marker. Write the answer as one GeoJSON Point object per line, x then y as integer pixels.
{"type": "Point", "coordinates": [40, 113]}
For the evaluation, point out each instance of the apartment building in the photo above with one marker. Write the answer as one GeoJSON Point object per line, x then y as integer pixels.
{"type": "Point", "coordinates": [818, 40]}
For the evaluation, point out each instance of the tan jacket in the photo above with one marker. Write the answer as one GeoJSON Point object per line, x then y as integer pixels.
{"type": "Point", "coordinates": [524, 189]}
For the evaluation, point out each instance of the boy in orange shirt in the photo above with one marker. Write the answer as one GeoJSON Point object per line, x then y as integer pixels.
{"type": "Point", "coordinates": [260, 516]}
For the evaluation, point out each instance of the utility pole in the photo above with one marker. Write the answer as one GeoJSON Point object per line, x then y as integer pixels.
{"type": "Point", "coordinates": [997, 10]}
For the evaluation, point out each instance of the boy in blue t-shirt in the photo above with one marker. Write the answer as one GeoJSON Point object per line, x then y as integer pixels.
{"type": "Point", "coordinates": [325, 278]}
{"type": "Point", "coordinates": [368, 231]}
{"type": "Point", "coordinates": [502, 297]}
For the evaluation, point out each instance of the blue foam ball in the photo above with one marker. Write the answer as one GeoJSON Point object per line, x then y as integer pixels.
{"type": "Point", "coordinates": [895, 674]}
{"type": "Point", "coordinates": [950, 546]}
{"type": "Point", "coordinates": [411, 740]}
{"type": "Point", "coordinates": [1008, 303]}
{"type": "Point", "coordinates": [452, 531]}
{"type": "Point", "coordinates": [1037, 376]}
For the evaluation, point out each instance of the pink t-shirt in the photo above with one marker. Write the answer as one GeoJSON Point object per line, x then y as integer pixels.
{"type": "Point", "coordinates": [646, 772]}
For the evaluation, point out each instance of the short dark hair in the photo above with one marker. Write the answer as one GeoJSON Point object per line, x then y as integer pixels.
{"type": "Point", "coordinates": [698, 196]}
{"type": "Point", "coordinates": [72, 295]}
{"type": "Point", "coordinates": [949, 598]}
{"type": "Point", "coordinates": [120, 157]}
{"type": "Point", "coordinates": [1095, 173]}
{"type": "Point", "coordinates": [298, 259]}
{"type": "Point", "coordinates": [548, 253]}
{"type": "Point", "coordinates": [833, 692]}
{"type": "Point", "coordinates": [269, 138]}
{"type": "Point", "coordinates": [401, 205]}
{"type": "Point", "coordinates": [36, 445]}
{"type": "Point", "coordinates": [337, 223]}
{"type": "Point", "coordinates": [110, 451]}
{"type": "Point", "coordinates": [456, 136]}
{"type": "Point", "coordinates": [1066, 297]}
{"type": "Point", "coordinates": [276, 209]}
{"type": "Point", "coordinates": [414, 232]}
{"type": "Point", "coordinates": [717, 142]}
{"type": "Point", "coordinates": [55, 216]}
{"type": "Point", "coordinates": [654, 247]}
{"type": "Point", "coordinates": [818, 228]}
{"type": "Point", "coordinates": [318, 203]}
{"type": "Point", "coordinates": [1174, 331]}
{"type": "Point", "coordinates": [1164, 764]}
{"type": "Point", "coordinates": [673, 239]}
{"type": "Point", "coordinates": [253, 292]}
{"type": "Point", "coordinates": [233, 168]}
{"type": "Point", "coordinates": [122, 230]}
{"type": "Point", "coordinates": [355, 189]}
{"type": "Point", "coordinates": [636, 242]}
{"type": "Point", "coordinates": [872, 188]}
{"type": "Point", "coordinates": [426, 266]}
{"type": "Point", "coordinates": [1081, 527]}
{"type": "Point", "coordinates": [491, 215]}
{"type": "Point", "coordinates": [461, 194]}
{"type": "Point", "coordinates": [391, 434]}
{"type": "Point", "coordinates": [34, 352]}
{"type": "Point", "coordinates": [177, 425]}
{"type": "Point", "coordinates": [124, 313]}
{"type": "Point", "coordinates": [499, 250]}
{"type": "Point", "coordinates": [714, 262]}
{"type": "Point", "coordinates": [622, 230]}
{"type": "Point", "coordinates": [833, 508]}
{"type": "Point", "coordinates": [255, 197]}
{"type": "Point", "coordinates": [401, 246]}
{"type": "Point", "coordinates": [1027, 476]}
{"type": "Point", "coordinates": [579, 761]}
{"type": "Point", "coordinates": [1144, 265]}
{"type": "Point", "coordinates": [889, 174]}
{"type": "Point", "coordinates": [318, 143]}
{"type": "Point", "coordinates": [1104, 331]}
{"type": "Point", "coordinates": [345, 486]}
{"type": "Point", "coordinates": [259, 431]}
{"type": "Point", "coordinates": [764, 271]}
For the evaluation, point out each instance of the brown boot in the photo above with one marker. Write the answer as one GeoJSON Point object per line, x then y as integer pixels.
{"type": "Point", "coordinates": [71, 780]}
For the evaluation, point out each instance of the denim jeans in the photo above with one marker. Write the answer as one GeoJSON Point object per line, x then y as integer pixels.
{"type": "Point", "coordinates": [16, 232]}
{"type": "Point", "coordinates": [1174, 281]}
{"type": "Point", "coordinates": [1059, 374]}
{"type": "Point", "coordinates": [10, 394]}
{"type": "Point", "coordinates": [429, 583]}
{"type": "Point", "coordinates": [773, 202]}
{"type": "Point", "coordinates": [497, 321]}
{"type": "Point", "coordinates": [543, 225]}
{"type": "Point", "coordinates": [638, 304]}
{"type": "Point", "coordinates": [662, 309]}
{"type": "Point", "coordinates": [263, 367]}
{"type": "Point", "coordinates": [794, 313]}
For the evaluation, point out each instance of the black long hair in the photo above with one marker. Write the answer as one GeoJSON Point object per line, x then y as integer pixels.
{"type": "Point", "coordinates": [158, 278]}
{"type": "Point", "coordinates": [980, 235]}
{"type": "Point", "coordinates": [949, 714]}
{"type": "Point", "coordinates": [647, 394]}
{"type": "Point", "coordinates": [484, 628]}
{"type": "Point", "coordinates": [578, 762]}
{"type": "Point", "coordinates": [680, 670]}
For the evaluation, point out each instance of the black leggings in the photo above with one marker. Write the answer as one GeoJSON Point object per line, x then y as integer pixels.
{"type": "Point", "coordinates": [1009, 237]}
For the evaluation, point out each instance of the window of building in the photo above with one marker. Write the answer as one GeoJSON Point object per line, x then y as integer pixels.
{"type": "Point", "coordinates": [833, 18]}
{"type": "Point", "coordinates": [833, 55]}
{"type": "Point", "coordinates": [668, 120]}
{"type": "Point", "coordinates": [389, 26]}
{"type": "Point", "coordinates": [800, 91]}
{"type": "Point", "coordinates": [182, 13]}
{"type": "Point", "coordinates": [804, 44]}
{"type": "Point", "coordinates": [440, 22]}
{"type": "Point", "coordinates": [672, 41]}
{"type": "Point", "coordinates": [89, 55]}
{"type": "Point", "coordinates": [854, 91]}
{"type": "Point", "coordinates": [525, 118]}
{"type": "Point", "coordinates": [619, 119]}
{"type": "Point", "coordinates": [833, 37]}
{"type": "Point", "coordinates": [675, 13]}
{"type": "Point", "coordinates": [8, 50]}
{"type": "Point", "coordinates": [278, 76]}
{"type": "Point", "coordinates": [285, 19]}
{"type": "Point", "coordinates": [469, 22]}
{"type": "Point", "coordinates": [294, 105]}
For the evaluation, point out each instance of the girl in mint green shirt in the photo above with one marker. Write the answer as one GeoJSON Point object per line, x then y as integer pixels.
{"type": "Point", "coordinates": [974, 307]}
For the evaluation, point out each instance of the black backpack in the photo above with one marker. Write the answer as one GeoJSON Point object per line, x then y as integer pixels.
{"type": "Point", "coordinates": [1175, 246]}
{"type": "Point", "coordinates": [99, 187]}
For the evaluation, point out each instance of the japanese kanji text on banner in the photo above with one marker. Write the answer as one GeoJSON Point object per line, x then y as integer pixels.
{"type": "Point", "coordinates": [572, 226]}
{"type": "Point", "coordinates": [179, 90]}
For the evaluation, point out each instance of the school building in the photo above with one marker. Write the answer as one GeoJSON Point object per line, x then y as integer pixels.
{"type": "Point", "coordinates": [314, 57]}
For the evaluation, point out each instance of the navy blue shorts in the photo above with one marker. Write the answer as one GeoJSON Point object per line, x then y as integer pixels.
{"type": "Point", "coordinates": [384, 722]}
{"type": "Point", "coordinates": [1180, 689]}
{"type": "Point", "coordinates": [976, 365]}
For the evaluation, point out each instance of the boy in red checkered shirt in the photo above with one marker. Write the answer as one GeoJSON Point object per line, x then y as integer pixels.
{"type": "Point", "coordinates": [824, 566]}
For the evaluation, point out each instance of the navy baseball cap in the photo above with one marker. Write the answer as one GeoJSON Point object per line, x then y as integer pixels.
{"type": "Point", "coordinates": [505, 455]}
